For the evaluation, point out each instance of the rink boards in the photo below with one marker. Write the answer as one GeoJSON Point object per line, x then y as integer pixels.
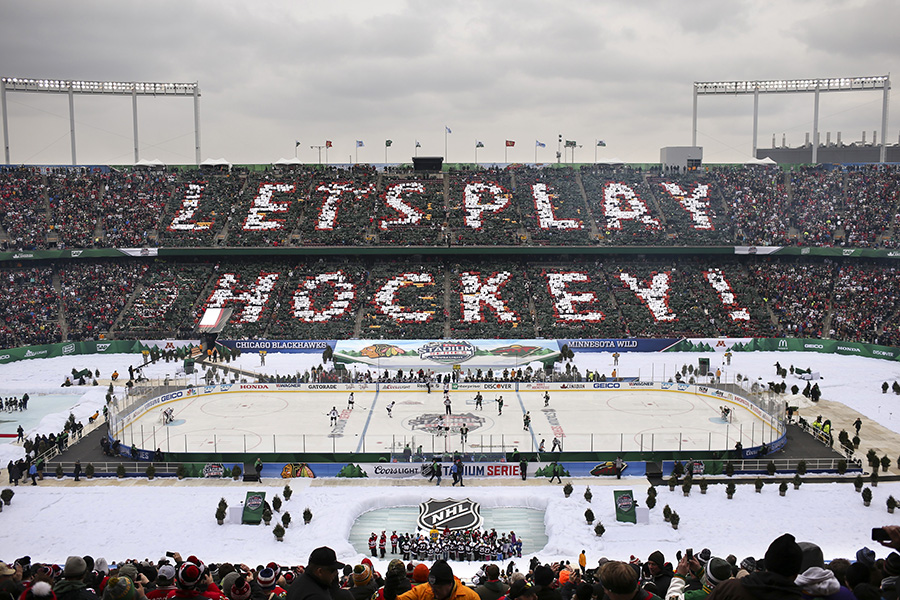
{"type": "Point", "coordinates": [583, 416]}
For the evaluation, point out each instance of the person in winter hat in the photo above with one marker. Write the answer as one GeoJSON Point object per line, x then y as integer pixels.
{"type": "Point", "coordinates": [442, 585]}
{"type": "Point", "coordinates": [267, 579]}
{"type": "Point", "coordinates": [783, 559]}
{"type": "Point", "coordinates": [715, 571]}
{"type": "Point", "coordinates": [660, 574]}
{"type": "Point", "coordinates": [165, 583]}
{"type": "Point", "coordinates": [363, 583]}
{"type": "Point", "coordinates": [817, 581]}
{"type": "Point", "coordinates": [419, 575]}
{"type": "Point", "coordinates": [544, 578]}
{"type": "Point", "coordinates": [71, 586]}
{"type": "Point", "coordinates": [120, 587]}
{"type": "Point", "coordinates": [398, 569]}
{"type": "Point", "coordinates": [492, 588]}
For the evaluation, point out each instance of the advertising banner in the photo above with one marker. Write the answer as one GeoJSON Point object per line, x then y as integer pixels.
{"type": "Point", "coordinates": [625, 506]}
{"type": "Point", "coordinates": [253, 508]}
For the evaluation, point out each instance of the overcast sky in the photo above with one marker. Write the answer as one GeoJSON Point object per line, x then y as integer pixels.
{"type": "Point", "coordinates": [275, 72]}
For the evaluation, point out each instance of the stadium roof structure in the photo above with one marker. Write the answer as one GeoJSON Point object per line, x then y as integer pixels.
{"type": "Point", "coordinates": [789, 86]}
{"type": "Point", "coordinates": [101, 88]}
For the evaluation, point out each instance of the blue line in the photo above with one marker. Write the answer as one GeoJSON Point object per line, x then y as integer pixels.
{"type": "Point", "coordinates": [362, 437]}
{"type": "Point", "coordinates": [530, 428]}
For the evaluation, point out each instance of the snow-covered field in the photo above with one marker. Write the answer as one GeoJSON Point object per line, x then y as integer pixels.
{"type": "Point", "coordinates": [143, 519]}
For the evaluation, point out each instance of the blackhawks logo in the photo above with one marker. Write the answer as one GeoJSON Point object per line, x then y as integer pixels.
{"type": "Point", "coordinates": [455, 515]}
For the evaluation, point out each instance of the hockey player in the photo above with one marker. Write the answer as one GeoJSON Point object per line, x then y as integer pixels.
{"type": "Point", "coordinates": [526, 420]}
{"type": "Point", "coordinates": [447, 408]}
{"type": "Point", "coordinates": [500, 406]}
{"type": "Point", "coordinates": [394, 540]}
{"type": "Point", "coordinates": [350, 401]}
{"type": "Point", "coordinates": [373, 545]}
{"type": "Point", "coordinates": [478, 400]}
{"type": "Point", "coordinates": [390, 407]}
{"type": "Point", "coordinates": [464, 434]}
{"type": "Point", "coordinates": [557, 445]}
{"type": "Point", "coordinates": [547, 398]}
{"type": "Point", "coordinates": [382, 543]}
{"type": "Point", "coordinates": [333, 415]}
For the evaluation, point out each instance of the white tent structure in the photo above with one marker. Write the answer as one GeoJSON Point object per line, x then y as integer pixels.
{"type": "Point", "coordinates": [287, 162]}
{"type": "Point", "coordinates": [760, 161]}
{"type": "Point", "coordinates": [154, 163]}
{"type": "Point", "coordinates": [215, 162]}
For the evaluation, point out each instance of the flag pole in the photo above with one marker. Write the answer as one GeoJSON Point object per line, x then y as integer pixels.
{"type": "Point", "coordinates": [535, 152]}
{"type": "Point", "coordinates": [595, 150]}
{"type": "Point", "coordinates": [505, 153]}
{"type": "Point", "coordinates": [446, 158]}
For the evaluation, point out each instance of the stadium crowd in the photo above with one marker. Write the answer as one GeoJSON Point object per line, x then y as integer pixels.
{"type": "Point", "coordinates": [484, 297]}
{"type": "Point", "coordinates": [789, 569]}
{"type": "Point", "coordinates": [49, 208]}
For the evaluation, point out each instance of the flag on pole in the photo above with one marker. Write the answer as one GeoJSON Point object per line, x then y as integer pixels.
{"type": "Point", "coordinates": [510, 143]}
{"type": "Point", "coordinates": [479, 144]}
{"type": "Point", "coordinates": [328, 144]}
{"type": "Point", "coordinates": [448, 129]}
{"type": "Point", "coordinates": [570, 143]}
{"type": "Point", "coordinates": [297, 145]}
{"type": "Point", "coordinates": [387, 143]}
{"type": "Point", "coordinates": [601, 143]}
{"type": "Point", "coordinates": [359, 144]}
{"type": "Point", "coordinates": [418, 145]}
{"type": "Point", "coordinates": [540, 144]}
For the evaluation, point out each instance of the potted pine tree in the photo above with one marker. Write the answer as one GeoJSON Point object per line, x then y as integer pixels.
{"type": "Point", "coordinates": [587, 494]}
{"type": "Point", "coordinates": [278, 531]}
{"type": "Point", "coordinates": [286, 519]}
{"type": "Point", "coordinates": [599, 529]}
{"type": "Point", "coordinates": [589, 516]}
{"type": "Point", "coordinates": [567, 489]}
{"type": "Point", "coordinates": [891, 504]}
{"type": "Point", "coordinates": [276, 503]}
{"type": "Point", "coordinates": [703, 486]}
{"type": "Point", "coordinates": [759, 485]}
{"type": "Point", "coordinates": [287, 492]}
{"type": "Point", "coordinates": [267, 515]}
{"type": "Point", "coordinates": [674, 519]}
{"type": "Point", "coordinates": [236, 472]}
{"type": "Point", "coordinates": [307, 516]}
{"type": "Point", "coordinates": [150, 472]}
{"type": "Point", "coordinates": [729, 490]}
{"type": "Point", "coordinates": [858, 482]}
{"type": "Point", "coordinates": [867, 496]}
{"type": "Point", "coordinates": [667, 513]}
{"type": "Point", "coordinates": [89, 471]}
{"type": "Point", "coordinates": [797, 481]}
{"type": "Point", "coordinates": [7, 495]}
{"type": "Point", "coordinates": [686, 486]}
{"type": "Point", "coordinates": [120, 471]}
{"type": "Point", "coordinates": [782, 488]}
{"type": "Point", "coordinates": [220, 514]}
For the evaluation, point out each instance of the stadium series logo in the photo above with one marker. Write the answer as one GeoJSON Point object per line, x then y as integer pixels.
{"type": "Point", "coordinates": [455, 515]}
{"type": "Point", "coordinates": [447, 352]}
{"type": "Point", "coordinates": [439, 424]}
{"type": "Point", "coordinates": [625, 502]}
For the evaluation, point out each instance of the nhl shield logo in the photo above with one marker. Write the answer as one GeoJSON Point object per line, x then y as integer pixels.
{"type": "Point", "coordinates": [455, 515]}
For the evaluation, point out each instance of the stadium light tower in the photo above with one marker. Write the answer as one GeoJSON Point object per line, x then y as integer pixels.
{"type": "Point", "coordinates": [794, 86]}
{"type": "Point", "coordinates": [99, 88]}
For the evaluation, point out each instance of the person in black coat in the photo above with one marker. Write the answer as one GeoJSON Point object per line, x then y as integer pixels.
{"type": "Point", "coordinates": [319, 580]}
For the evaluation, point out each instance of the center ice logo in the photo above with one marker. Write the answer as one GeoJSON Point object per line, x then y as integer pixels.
{"type": "Point", "coordinates": [455, 515]}
{"type": "Point", "coordinates": [447, 352]}
{"type": "Point", "coordinates": [442, 424]}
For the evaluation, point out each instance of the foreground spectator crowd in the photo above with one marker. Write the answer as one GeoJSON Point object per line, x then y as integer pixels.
{"type": "Point", "coordinates": [49, 208]}
{"type": "Point", "coordinates": [440, 298]}
{"type": "Point", "coordinates": [788, 570]}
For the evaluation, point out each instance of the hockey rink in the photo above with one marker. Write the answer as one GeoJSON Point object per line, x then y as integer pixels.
{"type": "Point", "coordinates": [584, 420]}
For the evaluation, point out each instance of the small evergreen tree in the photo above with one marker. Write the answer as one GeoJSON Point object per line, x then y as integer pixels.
{"type": "Point", "coordinates": [686, 486]}
{"type": "Point", "coordinates": [267, 515]}
{"type": "Point", "coordinates": [599, 529]}
{"type": "Point", "coordinates": [885, 463]}
{"type": "Point", "coordinates": [150, 471]}
{"type": "Point", "coordinates": [276, 503]}
{"type": "Point", "coordinates": [729, 489]}
{"type": "Point", "coordinates": [674, 519]}
{"type": "Point", "coordinates": [236, 472]}
{"type": "Point", "coordinates": [842, 466]}
{"type": "Point", "coordinates": [120, 471]}
{"type": "Point", "coordinates": [770, 467]}
{"type": "Point", "coordinates": [287, 492]}
{"type": "Point", "coordinates": [286, 519]}
{"type": "Point", "coordinates": [867, 496]}
{"type": "Point", "coordinates": [651, 502]}
{"type": "Point", "coordinates": [278, 531]}
{"type": "Point", "coordinates": [759, 485]}
{"type": "Point", "coordinates": [891, 504]}
{"type": "Point", "coordinates": [782, 487]}
{"type": "Point", "coordinates": [587, 494]}
{"type": "Point", "coordinates": [89, 471]}
{"type": "Point", "coordinates": [801, 467]}
{"type": "Point", "coordinates": [307, 515]}
{"type": "Point", "coordinates": [729, 469]}
{"type": "Point", "coordinates": [667, 513]}
{"type": "Point", "coordinates": [797, 481]}
{"type": "Point", "coordinates": [858, 482]}
{"type": "Point", "coordinates": [589, 516]}
{"type": "Point", "coordinates": [220, 513]}
{"type": "Point", "coordinates": [567, 489]}
{"type": "Point", "coordinates": [7, 495]}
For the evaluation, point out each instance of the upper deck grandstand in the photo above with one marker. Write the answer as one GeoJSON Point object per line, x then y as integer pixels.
{"type": "Point", "coordinates": [312, 252]}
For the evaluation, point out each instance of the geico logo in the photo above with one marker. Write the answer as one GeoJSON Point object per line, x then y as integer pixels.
{"type": "Point", "coordinates": [819, 346]}
{"type": "Point", "coordinates": [4, 357]}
